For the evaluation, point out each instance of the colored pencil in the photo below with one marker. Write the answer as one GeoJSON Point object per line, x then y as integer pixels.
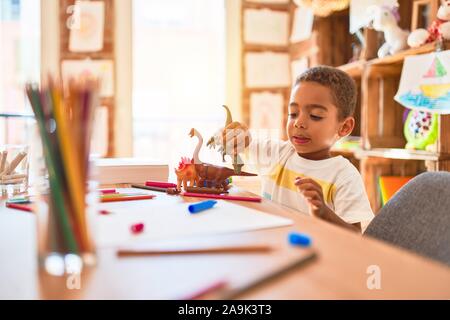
{"type": "Point", "coordinates": [256, 248]}
{"type": "Point", "coordinates": [215, 286]}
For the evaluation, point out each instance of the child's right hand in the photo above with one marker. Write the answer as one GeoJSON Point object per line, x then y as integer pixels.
{"type": "Point", "coordinates": [234, 138]}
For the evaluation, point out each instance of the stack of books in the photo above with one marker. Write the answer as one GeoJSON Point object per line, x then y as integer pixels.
{"type": "Point", "coordinates": [130, 170]}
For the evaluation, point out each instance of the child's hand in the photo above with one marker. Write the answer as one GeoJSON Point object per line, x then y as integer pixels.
{"type": "Point", "coordinates": [236, 137]}
{"type": "Point", "coordinates": [233, 139]}
{"type": "Point", "coordinates": [313, 193]}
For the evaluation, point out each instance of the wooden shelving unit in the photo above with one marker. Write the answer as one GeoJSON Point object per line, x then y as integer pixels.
{"type": "Point", "coordinates": [379, 118]}
{"type": "Point", "coordinates": [107, 53]}
{"type": "Point", "coordinates": [383, 141]}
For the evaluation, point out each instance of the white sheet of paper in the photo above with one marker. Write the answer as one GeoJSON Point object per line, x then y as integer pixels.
{"type": "Point", "coordinates": [358, 12]}
{"type": "Point", "coordinates": [303, 24]}
{"type": "Point", "coordinates": [266, 111]}
{"type": "Point", "coordinates": [18, 255]}
{"type": "Point", "coordinates": [167, 221]}
{"type": "Point", "coordinates": [101, 69]}
{"type": "Point", "coordinates": [86, 32]}
{"type": "Point", "coordinates": [267, 70]}
{"type": "Point", "coordinates": [425, 82]}
{"type": "Point", "coordinates": [266, 26]}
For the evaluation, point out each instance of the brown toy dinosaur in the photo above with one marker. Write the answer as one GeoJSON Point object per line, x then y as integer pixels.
{"type": "Point", "coordinates": [210, 175]}
{"type": "Point", "coordinates": [219, 140]}
{"type": "Point", "coordinates": [186, 173]}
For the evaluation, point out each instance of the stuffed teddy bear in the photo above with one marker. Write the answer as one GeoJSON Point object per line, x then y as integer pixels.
{"type": "Point", "coordinates": [439, 29]}
{"type": "Point", "coordinates": [385, 19]}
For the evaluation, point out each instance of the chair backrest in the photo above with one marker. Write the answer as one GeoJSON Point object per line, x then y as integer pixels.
{"type": "Point", "coordinates": [417, 218]}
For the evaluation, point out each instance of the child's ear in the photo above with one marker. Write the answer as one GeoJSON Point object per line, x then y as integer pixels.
{"type": "Point", "coordinates": [346, 127]}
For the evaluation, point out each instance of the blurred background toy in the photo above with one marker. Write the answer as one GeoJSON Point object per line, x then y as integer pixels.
{"type": "Point", "coordinates": [421, 129]}
{"type": "Point", "coordinates": [438, 30]}
{"type": "Point", "coordinates": [385, 19]}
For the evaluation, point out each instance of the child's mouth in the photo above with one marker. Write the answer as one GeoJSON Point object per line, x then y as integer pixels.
{"type": "Point", "coordinates": [300, 140]}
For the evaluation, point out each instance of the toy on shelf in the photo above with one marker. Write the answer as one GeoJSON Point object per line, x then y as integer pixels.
{"type": "Point", "coordinates": [421, 129]}
{"type": "Point", "coordinates": [385, 19]}
{"type": "Point", "coordinates": [204, 176]}
{"type": "Point", "coordinates": [438, 30]}
{"type": "Point", "coordinates": [219, 139]}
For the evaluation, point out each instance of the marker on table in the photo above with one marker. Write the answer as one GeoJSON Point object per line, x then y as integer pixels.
{"type": "Point", "coordinates": [299, 239]}
{"type": "Point", "coordinates": [160, 184]}
{"type": "Point", "coordinates": [201, 206]}
{"type": "Point", "coordinates": [107, 191]}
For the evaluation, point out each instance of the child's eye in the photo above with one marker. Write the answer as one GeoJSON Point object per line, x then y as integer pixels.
{"type": "Point", "coordinates": [315, 118]}
{"type": "Point", "coordinates": [292, 115]}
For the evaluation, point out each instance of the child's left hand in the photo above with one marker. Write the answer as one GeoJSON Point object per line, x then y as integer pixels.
{"type": "Point", "coordinates": [313, 193]}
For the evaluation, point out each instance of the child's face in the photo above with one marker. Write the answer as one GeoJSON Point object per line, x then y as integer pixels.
{"type": "Point", "coordinates": [313, 125]}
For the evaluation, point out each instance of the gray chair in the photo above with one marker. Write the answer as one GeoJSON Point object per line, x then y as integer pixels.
{"type": "Point", "coordinates": [417, 218]}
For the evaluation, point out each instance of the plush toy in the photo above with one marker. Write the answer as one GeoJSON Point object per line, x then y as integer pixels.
{"type": "Point", "coordinates": [385, 19]}
{"type": "Point", "coordinates": [439, 29]}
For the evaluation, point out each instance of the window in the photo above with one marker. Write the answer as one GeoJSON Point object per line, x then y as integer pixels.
{"type": "Point", "coordinates": [178, 76]}
{"type": "Point", "coordinates": [19, 63]}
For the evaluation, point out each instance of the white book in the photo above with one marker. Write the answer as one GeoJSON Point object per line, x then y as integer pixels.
{"type": "Point", "coordinates": [130, 170]}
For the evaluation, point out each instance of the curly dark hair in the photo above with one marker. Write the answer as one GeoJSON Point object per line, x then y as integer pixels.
{"type": "Point", "coordinates": [342, 86]}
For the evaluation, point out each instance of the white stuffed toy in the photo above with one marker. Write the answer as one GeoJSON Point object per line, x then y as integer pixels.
{"type": "Point", "coordinates": [385, 19]}
{"type": "Point", "coordinates": [439, 29]}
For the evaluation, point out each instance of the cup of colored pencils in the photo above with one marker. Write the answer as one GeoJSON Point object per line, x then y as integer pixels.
{"type": "Point", "coordinates": [64, 117]}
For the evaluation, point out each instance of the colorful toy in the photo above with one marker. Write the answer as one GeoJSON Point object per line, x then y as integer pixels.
{"type": "Point", "coordinates": [186, 173]}
{"type": "Point", "coordinates": [385, 19]}
{"type": "Point", "coordinates": [421, 129]}
{"type": "Point", "coordinates": [204, 175]}
{"type": "Point", "coordinates": [438, 30]}
{"type": "Point", "coordinates": [219, 139]}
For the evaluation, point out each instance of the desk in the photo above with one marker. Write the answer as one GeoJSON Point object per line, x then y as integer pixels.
{"type": "Point", "coordinates": [339, 272]}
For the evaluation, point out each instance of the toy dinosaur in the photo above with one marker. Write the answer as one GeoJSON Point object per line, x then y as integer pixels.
{"type": "Point", "coordinates": [210, 175]}
{"type": "Point", "coordinates": [219, 140]}
{"type": "Point", "coordinates": [186, 173]}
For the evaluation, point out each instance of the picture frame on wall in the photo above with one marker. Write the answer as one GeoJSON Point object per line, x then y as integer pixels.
{"type": "Point", "coordinates": [423, 13]}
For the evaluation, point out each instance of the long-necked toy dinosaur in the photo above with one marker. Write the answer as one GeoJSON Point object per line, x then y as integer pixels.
{"type": "Point", "coordinates": [219, 140]}
{"type": "Point", "coordinates": [204, 175]}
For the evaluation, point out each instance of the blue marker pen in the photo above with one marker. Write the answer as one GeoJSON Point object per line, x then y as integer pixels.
{"type": "Point", "coordinates": [299, 239]}
{"type": "Point", "coordinates": [200, 206]}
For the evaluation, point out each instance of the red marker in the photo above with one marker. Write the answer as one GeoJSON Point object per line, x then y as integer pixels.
{"type": "Point", "coordinates": [137, 228]}
{"type": "Point", "coordinates": [160, 184]}
{"type": "Point", "coordinates": [19, 207]}
{"type": "Point", "coordinates": [108, 191]}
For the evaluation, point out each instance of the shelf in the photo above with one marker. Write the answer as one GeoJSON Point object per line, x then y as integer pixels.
{"type": "Point", "coordinates": [401, 154]}
{"type": "Point", "coordinates": [390, 65]}
{"type": "Point", "coordinates": [354, 69]}
{"type": "Point", "coordinates": [400, 56]}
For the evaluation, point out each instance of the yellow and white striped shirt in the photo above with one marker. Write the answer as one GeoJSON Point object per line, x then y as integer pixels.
{"type": "Point", "coordinates": [278, 164]}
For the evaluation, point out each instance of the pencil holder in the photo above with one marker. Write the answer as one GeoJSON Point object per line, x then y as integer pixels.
{"type": "Point", "coordinates": [66, 205]}
{"type": "Point", "coordinates": [13, 169]}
